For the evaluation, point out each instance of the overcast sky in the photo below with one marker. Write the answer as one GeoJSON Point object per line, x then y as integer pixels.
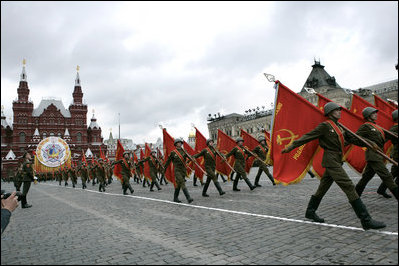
{"type": "Point", "coordinates": [173, 63]}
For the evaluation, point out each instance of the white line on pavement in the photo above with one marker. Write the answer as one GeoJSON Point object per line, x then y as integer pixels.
{"type": "Point", "coordinates": [240, 213]}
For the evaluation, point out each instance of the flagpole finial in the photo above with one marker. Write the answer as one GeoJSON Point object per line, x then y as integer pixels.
{"type": "Point", "coordinates": [270, 77]}
{"type": "Point", "coordinates": [160, 126]}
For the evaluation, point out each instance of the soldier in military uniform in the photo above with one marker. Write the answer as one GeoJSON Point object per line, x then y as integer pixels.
{"type": "Point", "coordinates": [64, 173]}
{"type": "Point", "coordinates": [331, 138]}
{"type": "Point", "coordinates": [84, 174]}
{"type": "Point", "coordinates": [394, 155]}
{"type": "Point", "coordinates": [27, 178]}
{"type": "Point", "coordinates": [100, 173]}
{"type": "Point", "coordinates": [375, 162]}
{"type": "Point", "coordinates": [72, 174]}
{"type": "Point", "coordinates": [162, 174]}
{"type": "Point", "coordinates": [261, 151]}
{"type": "Point", "coordinates": [178, 158]}
{"type": "Point", "coordinates": [239, 153]}
{"type": "Point", "coordinates": [153, 164]}
{"type": "Point", "coordinates": [209, 154]}
{"type": "Point", "coordinates": [127, 166]}
{"type": "Point", "coordinates": [18, 177]}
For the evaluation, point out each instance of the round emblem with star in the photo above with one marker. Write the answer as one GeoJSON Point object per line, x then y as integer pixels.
{"type": "Point", "coordinates": [53, 152]}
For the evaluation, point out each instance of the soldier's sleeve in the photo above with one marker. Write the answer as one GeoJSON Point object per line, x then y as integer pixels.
{"type": "Point", "coordinates": [231, 152]}
{"type": "Point", "coordinates": [311, 135]}
{"type": "Point", "coordinates": [362, 131]}
{"type": "Point", "coordinates": [202, 153]}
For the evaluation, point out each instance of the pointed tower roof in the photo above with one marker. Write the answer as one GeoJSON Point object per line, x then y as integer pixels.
{"type": "Point", "coordinates": [319, 77]}
{"type": "Point", "coordinates": [77, 80]}
{"type": "Point", "coordinates": [23, 74]}
{"type": "Point", "coordinates": [93, 122]}
{"type": "Point", "coordinates": [10, 155]}
{"type": "Point", "coordinates": [111, 138]}
{"type": "Point", "coordinates": [77, 92]}
{"type": "Point", "coordinates": [36, 132]}
{"type": "Point", "coordinates": [88, 153]}
{"type": "Point", "coordinates": [66, 133]}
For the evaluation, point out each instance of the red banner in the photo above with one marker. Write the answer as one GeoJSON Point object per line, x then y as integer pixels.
{"type": "Point", "coordinates": [250, 143]}
{"type": "Point", "coordinates": [168, 147]}
{"type": "Point", "coordinates": [190, 165]}
{"type": "Point", "coordinates": [224, 144]}
{"type": "Point", "coordinates": [200, 144]}
{"type": "Point", "coordinates": [383, 105]}
{"type": "Point", "coordinates": [118, 156]}
{"type": "Point", "coordinates": [147, 163]}
{"type": "Point", "coordinates": [383, 119]}
{"type": "Point", "coordinates": [293, 117]}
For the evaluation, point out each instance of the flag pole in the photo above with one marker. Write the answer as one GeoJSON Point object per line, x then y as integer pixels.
{"type": "Point", "coordinates": [369, 145]}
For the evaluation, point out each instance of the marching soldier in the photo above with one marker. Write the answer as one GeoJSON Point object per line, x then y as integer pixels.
{"type": "Point", "coordinates": [209, 154]}
{"type": "Point", "coordinates": [100, 173]}
{"type": "Point", "coordinates": [153, 163]}
{"type": "Point", "coordinates": [394, 155]}
{"type": "Point", "coordinates": [84, 174]}
{"type": "Point", "coordinates": [18, 177]}
{"type": "Point", "coordinates": [375, 162]}
{"type": "Point", "coordinates": [127, 166]}
{"type": "Point", "coordinates": [162, 172]}
{"type": "Point", "coordinates": [65, 176]}
{"type": "Point", "coordinates": [178, 158]}
{"type": "Point", "coordinates": [27, 178]}
{"type": "Point", "coordinates": [72, 174]}
{"type": "Point", "coordinates": [239, 153]}
{"type": "Point", "coordinates": [59, 176]}
{"type": "Point", "coordinates": [331, 139]}
{"type": "Point", "coordinates": [261, 151]}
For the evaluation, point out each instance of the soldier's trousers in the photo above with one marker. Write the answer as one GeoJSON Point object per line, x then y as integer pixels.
{"type": "Point", "coordinates": [180, 181]}
{"type": "Point", "coordinates": [18, 185]}
{"type": "Point", "coordinates": [394, 171]}
{"type": "Point", "coordinates": [379, 168]}
{"type": "Point", "coordinates": [263, 168]}
{"type": "Point", "coordinates": [342, 179]}
{"type": "Point", "coordinates": [243, 175]}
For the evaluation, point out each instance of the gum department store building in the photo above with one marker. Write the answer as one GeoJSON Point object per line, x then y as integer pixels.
{"type": "Point", "coordinates": [50, 118]}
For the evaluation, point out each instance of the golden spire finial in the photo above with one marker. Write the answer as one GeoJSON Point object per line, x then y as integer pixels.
{"type": "Point", "coordinates": [24, 61]}
{"type": "Point", "coordinates": [77, 68]}
{"type": "Point", "coordinates": [93, 111]}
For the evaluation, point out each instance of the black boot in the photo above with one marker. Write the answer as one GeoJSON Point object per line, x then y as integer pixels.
{"type": "Point", "coordinates": [24, 203]}
{"type": "Point", "coordinates": [359, 190]}
{"type": "Point", "coordinates": [189, 199]}
{"type": "Point", "coordinates": [395, 192]}
{"type": "Point", "coordinates": [224, 180]}
{"type": "Point", "coordinates": [364, 216]}
{"type": "Point", "coordinates": [235, 183]}
{"type": "Point", "coordinates": [195, 182]}
{"type": "Point", "coordinates": [130, 188]}
{"type": "Point", "coordinates": [382, 190]}
{"type": "Point", "coordinates": [311, 210]}
{"type": "Point", "coordinates": [219, 188]}
{"type": "Point", "coordinates": [249, 183]}
{"type": "Point", "coordinates": [176, 195]}
{"type": "Point", "coordinates": [157, 185]}
{"type": "Point", "coordinates": [124, 189]}
{"type": "Point", "coordinates": [151, 186]}
{"type": "Point", "coordinates": [271, 179]}
{"type": "Point", "coordinates": [208, 180]}
{"type": "Point", "coordinates": [257, 178]}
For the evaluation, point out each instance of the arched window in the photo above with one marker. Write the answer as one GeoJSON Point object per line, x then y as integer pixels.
{"type": "Point", "coordinates": [79, 137]}
{"type": "Point", "coordinates": [22, 137]}
{"type": "Point", "coordinates": [44, 135]}
{"type": "Point", "coordinates": [59, 135]}
{"type": "Point", "coordinates": [51, 134]}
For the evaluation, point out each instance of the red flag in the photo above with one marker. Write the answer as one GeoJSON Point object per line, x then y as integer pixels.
{"type": "Point", "coordinates": [102, 154]}
{"type": "Point", "coordinates": [200, 144]}
{"type": "Point", "coordinates": [287, 126]}
{"type": "Point", "coordinates": [354, 155]}
{"type": "Point", "coordinates": [190, 164]}
{"type": "Point", "coordinates": [84, 158]}
{"type": "Point", "coordinates": [147, 163]}
{"type": "Point", "coordinates": [118, 156]}
{"type": "Point", "coordinates": [224, 144]}
{"type": "Point", "coordinates": [384, 106]}
{"type": "Point", "coordinates": [383, 119]}
{"type": "Point", "coordinates": [250, 143]}
{"type": "Point", "coordinates": [168, 147]}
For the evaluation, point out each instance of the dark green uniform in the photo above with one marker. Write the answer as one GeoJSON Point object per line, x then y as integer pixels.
{"type": "Point", "coordinates": [127, 166]}
{"type": "Point", "coordinates": [209, 154]}
{"type": "Point", "coordinates": [153, 164]}
{"type": "Point", "coordinates": [84, 175]}
{"type": "Point", "coordinates": [180, 171]}
{"type": "Point", "coordinates": [332, 160]}
{"type": "Point", "coordinates": [100, 174]}
{"type": "Point", "coordinates": [375, 162]}
{"type": "Point", "coordinates": [72, 175]}
{"type": "Point", "coordinates": [27, 178]}
{"type": "Point", "coordinates": [261, 151]}
{"type": "Point", "coordinates": [18, 179]}
{"type": "Point", "coordinates": [64, 173]}
{"type": "Point", "coordinates": [239, 166]}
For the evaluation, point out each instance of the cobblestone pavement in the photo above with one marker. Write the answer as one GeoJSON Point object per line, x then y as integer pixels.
{"type": "Point", "coordinates": [265, 226]}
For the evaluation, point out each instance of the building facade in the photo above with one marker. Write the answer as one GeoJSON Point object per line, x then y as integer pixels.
{"type": "Point", "coordinates": [50, 118]}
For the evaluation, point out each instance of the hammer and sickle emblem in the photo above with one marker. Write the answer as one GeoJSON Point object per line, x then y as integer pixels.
{"type": "Point", "coordinates": [292, 137]}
